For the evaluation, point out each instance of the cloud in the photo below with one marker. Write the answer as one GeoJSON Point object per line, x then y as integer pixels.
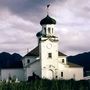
{"type": "Point", "coordinates": [15, 32]}
{"type": "Point", "coordinates": [19, 23]}
{"type": "Point", "coordinates": [73, 25]}
{"type": "Point", "coordinates": [74, 41]}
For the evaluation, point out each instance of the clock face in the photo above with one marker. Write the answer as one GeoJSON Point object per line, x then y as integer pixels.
{"type": "Point", "coordinates": [49, 45]}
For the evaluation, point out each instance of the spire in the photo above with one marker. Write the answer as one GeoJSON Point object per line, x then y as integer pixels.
{"type": "Point", "coordinates": [48, 9]}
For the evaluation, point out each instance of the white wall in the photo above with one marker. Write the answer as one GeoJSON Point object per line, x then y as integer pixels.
{"type": "Point", "coordinates": [78, 72]}
{"type": "Point", "coordinates": [71, 73]}
{"type": "Point", "coordinates": [60, 59]}
{"type": "Point", "coordinates": [68, 72]}
{"type": "Point", "coordinates": [31, 58]}
{"type": "Point", "coordinates": [44, 50]}
{"type": "Point", "coordinates": [35, 67]}
{"type": "Point", "coordinates": [18, 73]}
{"type": "Point", "coordinates": [56, 63]}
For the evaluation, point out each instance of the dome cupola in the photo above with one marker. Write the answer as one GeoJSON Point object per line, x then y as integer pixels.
{"type": "Point", "coordinates": [47, 20]}
{"type": "Point", "coordinates": [39, 34]}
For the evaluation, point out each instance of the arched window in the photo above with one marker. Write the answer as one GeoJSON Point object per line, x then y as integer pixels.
{"type": "Point", "coordinates": [61, 74]}
{"type": "Point", "coordinates": [45, 30]}
{"type": "Point", "coordinates": [49, 30]}
{"type": "Point", "coordinates": [52, 30]}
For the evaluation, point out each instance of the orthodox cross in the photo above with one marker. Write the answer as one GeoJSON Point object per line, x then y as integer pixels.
{"type": "Point", "coordinates": [48, 9]}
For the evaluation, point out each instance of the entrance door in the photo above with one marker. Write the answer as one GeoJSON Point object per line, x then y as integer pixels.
{"type": "Point", "coordinates": [49, 74]}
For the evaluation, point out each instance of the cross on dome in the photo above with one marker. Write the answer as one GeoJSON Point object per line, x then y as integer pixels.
{"type": "Point", "coordinates": [48, 9]}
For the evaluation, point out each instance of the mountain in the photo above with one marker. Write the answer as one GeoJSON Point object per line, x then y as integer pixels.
{"type": "Point", "coordinates": [81, 59]}
{"type": "Point", "coordinates": [10, 60]}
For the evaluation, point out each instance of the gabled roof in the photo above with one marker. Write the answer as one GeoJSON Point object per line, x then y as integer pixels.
{"type": "Point", "coordinates": [61, 54]}
{"type": "Point", "coordinates": [35, 52]}
{"type": "Point", "coordinates": [73, 64]}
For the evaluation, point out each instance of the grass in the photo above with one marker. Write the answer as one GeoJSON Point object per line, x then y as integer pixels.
{"type": "Point", "coordinates": [47, 85]}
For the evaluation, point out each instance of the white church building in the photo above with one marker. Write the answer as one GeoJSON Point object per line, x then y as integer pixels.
{"type": "Point", "coordinates": [45, 60]}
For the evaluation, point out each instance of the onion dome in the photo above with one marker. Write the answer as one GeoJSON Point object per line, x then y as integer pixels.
{"type": "Point", "coordinates": [47, 20]}
{"type": "Point", "coordinates": [39, 34]}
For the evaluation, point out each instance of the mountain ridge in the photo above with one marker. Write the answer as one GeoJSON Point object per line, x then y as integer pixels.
{"type": "Point", "coordinates": [8, 60]}
{"type": "Point", "coordinates": [82, 59]}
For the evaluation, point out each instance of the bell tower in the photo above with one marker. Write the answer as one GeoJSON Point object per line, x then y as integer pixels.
{"type": "Point", "coordinates": [48, 47]}
{"type": "Point", "coordinates": [48, 25]}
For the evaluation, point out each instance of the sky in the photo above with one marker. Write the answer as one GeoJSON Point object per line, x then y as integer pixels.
{"type": "Point", "coordinates": [20, 21]}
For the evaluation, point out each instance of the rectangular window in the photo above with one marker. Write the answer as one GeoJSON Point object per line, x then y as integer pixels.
{"type": "Point", "coordinates": [28, 61]}
{"type": "Point", "coordinates": [62, 60]}
{"type": "Point", "coordinates": [49, 55]}
{"type": "Point", "coordinates": [61, 74]}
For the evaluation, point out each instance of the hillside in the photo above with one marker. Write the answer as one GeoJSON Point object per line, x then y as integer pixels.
{"type": "Point", "coordinates": [81, 59]}
{"type": "Point", "coordinates": [10, 60]}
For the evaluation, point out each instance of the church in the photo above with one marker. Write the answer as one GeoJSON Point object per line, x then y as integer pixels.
{"type": "Point", "coordinates": [45, 60]}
